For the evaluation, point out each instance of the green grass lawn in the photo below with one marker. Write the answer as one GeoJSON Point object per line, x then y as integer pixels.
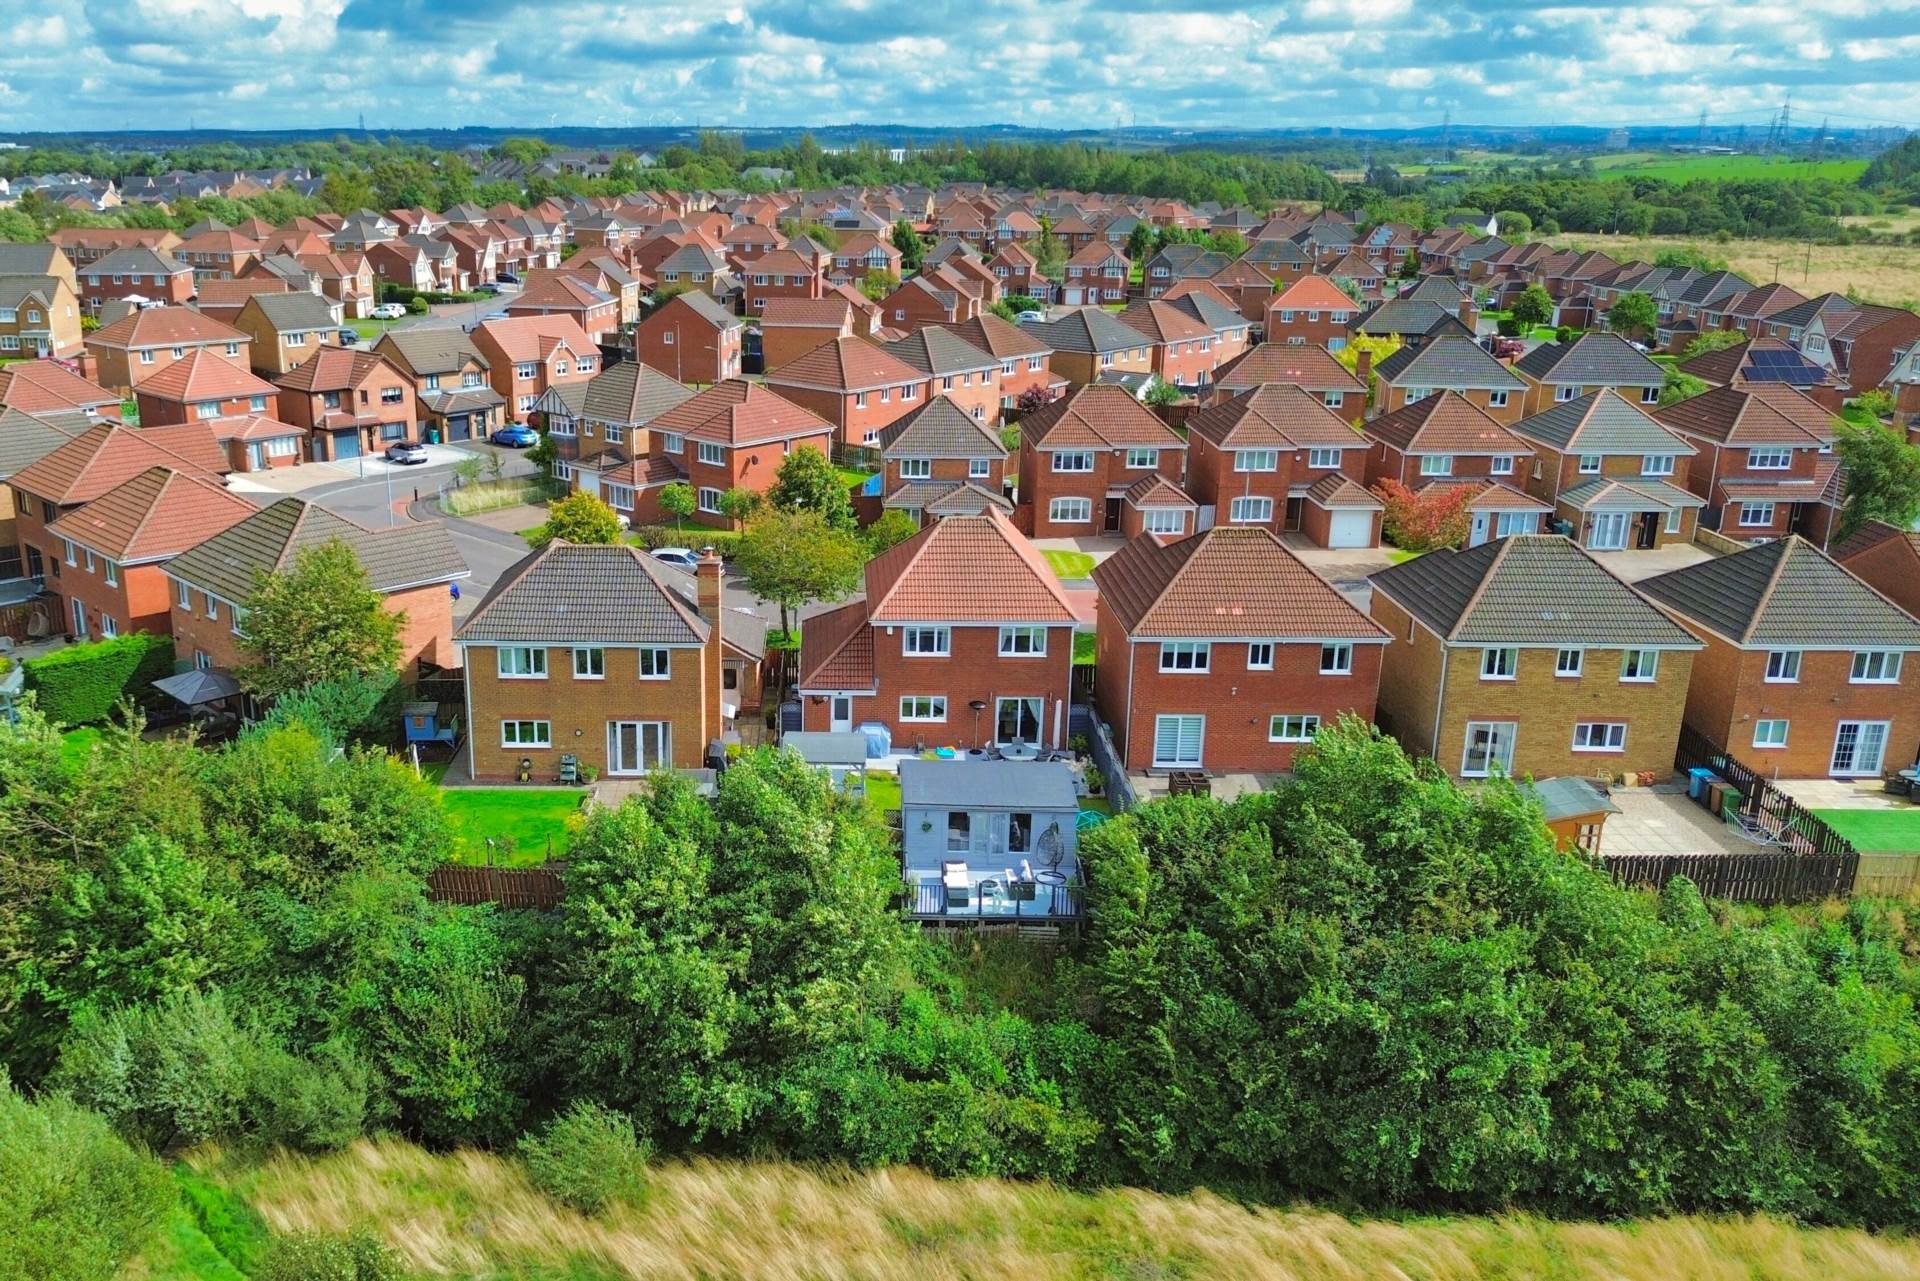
{"type": "Point", "coordinates": [528, 816]}
{"type": "Point", "coordinates": [77, 744]}
{"type": "Point", "coordinates": [1070, 564]}
{"type": "Point", "coordinates": [883, 792]}
{"type": "Point", "coordinates": [1681, 168]}
{"type": "Point", "coordinates": [853, 475]}
{"type": "Point", "coordinates": [1877, 831]}
{"type": "Point", "coordinates": [1086, 646]}
{"type": "Point", "coordinates": [1398, 554]}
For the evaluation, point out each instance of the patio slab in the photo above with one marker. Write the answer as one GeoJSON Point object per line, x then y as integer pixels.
{"type": "Point", "coordinates": [1842, 794]}
{"type": "Point", "coordinates": [1662, 821]}
{"type": "Point", "coordinates": [1632, 566]}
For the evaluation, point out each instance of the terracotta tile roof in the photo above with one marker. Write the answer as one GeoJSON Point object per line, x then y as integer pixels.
{"type": "Point", "coordinates": [35, 386]}
{"type": "Point", "coordinates": [1313, 293]}
{"type": "Point", "coordinates": [1157, 491]}
{"type": "Point", "coordinates": [1750, 416]}
{"type": "Point", "coordinates": [990, 333]}
{"type": "Point", "coordinates": [1163, 322]}
{"type": "Point", "coordinates": [201, 375]}
{"type": "Point", "coordinates": [165, 327]}
{"type": "Point", "coordinates": [846, 364]}
{"type": "Point", "coordinates": [158, 513]}
{"type": "Point", "coordinates": [1445, 423]}
{"type": "Point", "coordinates": [523, 338]}
{"type": "Point", "coordinates": [1097, 415]}
{"type": "Point", "coordinates": [254, 427]}
{"type": "Point", "coordinates": [965, 569]}
{"type": "Point", "coordinates": [1335, 490]}
{"type": "Point", "coordinates": [234, 293]}
{"type": "Point", "coordinates": [109, 455]}
{"type": "Point", "coordinates": [1314, 368]}
{"type": "Point", "coordinates": [1231, 581]}
{"type": "Point", "coordinates": [807, 313]}
{"type": "Point", "coordinates": [334, 369]}
{"type": "Point", "coordinates": [1275, 415]}
{"type": "Point", "coordinates": [836, 650]}
{"type": "Point", "coordinates": [737, 412]}
{"type": "Point", "coordinates": [946, 498]}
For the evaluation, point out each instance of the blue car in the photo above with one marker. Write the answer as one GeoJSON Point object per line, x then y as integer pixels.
{"type": "Point", "coordinates": [514, 436]}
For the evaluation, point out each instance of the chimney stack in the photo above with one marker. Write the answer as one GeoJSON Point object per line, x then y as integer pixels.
{"type": "Point", "coordinates": [713, 609]}
{"type": "Point", "coordinates": [1362, 364]}
{"type": "Point", "coordinates": [1469, 314]}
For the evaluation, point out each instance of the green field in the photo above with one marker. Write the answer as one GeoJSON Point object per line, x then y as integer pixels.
{"type": "Point", "coordinates": [534, 819]}
{"type": "Point", "coordinates": [1877, 831]}
{"type": "Point", "coordinates": [1678, 168]}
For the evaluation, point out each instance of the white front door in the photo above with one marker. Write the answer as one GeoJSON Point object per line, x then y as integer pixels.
{"type": "Point", "coordinates": [634, 747]}
{"type": "Point", "coordinates": [840, 713]}
{"type": "Point", "coordinates": [1479, 534]}
{"type": "Point", "coordinates": [1609, 532]}
{"type": "Point", "coordinates": [1859, 747]}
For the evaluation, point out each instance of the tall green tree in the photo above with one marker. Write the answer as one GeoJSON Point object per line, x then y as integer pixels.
{"type": "Point", "coordinates": [580, 517]}
{"type": "Point", "coordinates": [1533, 307]}
{"type": "Point", "coordinates": [1883, 475]}
{"type": "Point", "coordinates": [907, 241]}
{"type": "Point", "coordinates": [678, 501]}
{"type": "Point", "coordinates": [1633, 314]}
{"type": "Point", "coordinates": [793, 558]}
{"type": "Point", "coordinates": [1140, 242]}
{"type": "Point", "coordinates": [807, 482]}
{"type": "Point", "coordinates": [317, 621]}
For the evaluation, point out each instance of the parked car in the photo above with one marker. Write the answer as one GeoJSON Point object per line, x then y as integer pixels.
{"type": "Point", "coordinates": [515, 436]}
{"type": "Point", "coordinates": [406, 453]}
{"type": "Point", "coordinates": [487, 287]}
{"type": "Point", "coordinates": [507, 278]}
{"type": "Point", "coordinates": [1031, 317]}
{"type": "Point", "coordinates": [389, 311]}
{"type": "Point", "coordinates": [684, 557]}
{"type": "Point", "coordinates": [349, 337]}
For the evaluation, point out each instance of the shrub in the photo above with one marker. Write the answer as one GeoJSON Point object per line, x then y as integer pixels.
{"type": "Point", "coordinates": [724, 541]}
{"type": "Point", "coordinates": [312, 1256]}
{"type": "Point", "coordinates": [1421, 520]}
{"type": "Point", "coordinates": [78, 1201]}
{"type": "Point", "coordinates": [417, 305]}
{"type": "Point", "coordinates": [588, 1157]}
{"type": "Point", "coordinates": [82, 684]}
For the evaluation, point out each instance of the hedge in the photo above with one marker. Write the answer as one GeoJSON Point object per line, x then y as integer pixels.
{"type": "Point", "coordinates": [82, 684]}
{"type": "Point", "coordinates": [695, 536]}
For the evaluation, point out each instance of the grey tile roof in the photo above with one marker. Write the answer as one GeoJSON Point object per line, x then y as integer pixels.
{"type": "Point", "coordinates": [1591, 359]}
{"type": "Point", "coordinates": [432, 350]}
{"type": "Point", "coordinates": [704, 306]}
{"type": "Point", "coordinates": [937, 351]}
{"type": "Point", "coordinates": [946, 498]}
{"type": "Point", "coordinates": [1089, 330]}
{"type": "Point", "coordinates": [295, 310]}
{"type": "Point", "coordinates": [1634, 493]}
{"type": "Point", "coordinates": [632, 393]}
{"type": "Point", "coordinates": [27, 438]}
{"type": "Point", "coordinates": [1209, 312]}
{"type": "Point", "coordinates": [1406, 316]}
{"type": "Point", "coordinates": [1601, 422]}
{"type": "Point", "coordinates": [608, 594]}
{"type": "Point", "coordinates": [990, 785]}
{"type": "Point", "coordinates": [1785, 593]}
{"type": "Point", "coordinates": [1530, 589]}
{"type": "Point", "coordinates": [940, 429]}
{"type": "Point", "coordinates": [1448, 363]}
{"type": "Point", "coordinates": [402, 556]}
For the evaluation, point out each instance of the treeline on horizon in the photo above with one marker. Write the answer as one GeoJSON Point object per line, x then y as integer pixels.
{"type": "Point", "coordinates": [393, 174]}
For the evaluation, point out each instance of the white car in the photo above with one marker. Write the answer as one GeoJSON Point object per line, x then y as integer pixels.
{"type": "Point", "coordinates": [1031, 317]}
{"type": "Point", "coordinates": [683, 557]}
{"type": "Point", "coordinates": [389, 311]}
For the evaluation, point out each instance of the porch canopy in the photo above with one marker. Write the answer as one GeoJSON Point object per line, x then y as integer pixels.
{"type": "Point", "coordinates": [196, 687]}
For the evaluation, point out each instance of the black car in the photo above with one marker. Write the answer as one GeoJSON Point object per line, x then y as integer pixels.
{"type": "Point", "coordinates": [406, 453]}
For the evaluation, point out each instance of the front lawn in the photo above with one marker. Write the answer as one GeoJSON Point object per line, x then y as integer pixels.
{"type": "Point", "coordinates": [853, 476]}
{"type": "Point", "coordinates": [526, 822]}
{"type": "Point", "coordinates": [1070, 564]}
{"type": "Point", "coordinates": [1877, 831]}
{"type": "Point", "coordinates": [1397, 554]}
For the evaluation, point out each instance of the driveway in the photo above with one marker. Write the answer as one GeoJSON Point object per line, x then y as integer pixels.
{"type": "Point", "coordinates": [1632, 566]}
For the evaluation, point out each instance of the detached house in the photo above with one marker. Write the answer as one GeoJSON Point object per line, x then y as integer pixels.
{"type": "Point", "coordinates": [856, 385]}
{"type": "Point", "coordinates": [1080, 456]}
{"type": "Point", "coordinates": [1091, 344]}
{"type": "Point", "coordinates": [550, 293]}
{"type": "Point", "coordinates": [350, 403]}
{"type": "Point", "coordinates": [1096, 274]}
{"type": "Point", "coordinates": [940, 460]}
{"type": "Point", "coordinates": [693, 338]}
{"type": "Point", "coordinates": [286, 329]}
{"type": "Point", "coordinates": [1224, 652]}
{"type": "Point", "coordinates": [1559, 372]}
{"type": "Point", "coordinates": [1611, 472]}
{"type": "Point", "coordinates": [1311, 312]}
{"type": "Point", "coordinates": [1524, 656]}
{"type": "Point", "coordinates": [781, 273]}
{"type": "Point", "coordinates": [1764, 466]}
{"type": "Point", "coordinates": [1455, 365]}
{"type": "Point", "coordinates": [140, 344]}
{"type": "Point", "coordinates": [203, 386]}
{"type": "Point", "coordinates": [938, 666]}
{"type": "Point", "coordinates": [135, 273]}
{"type": "Point", "coordinates": [450, 381]}
{"type": "Point", "coordinates": [525, 355]}
{"type": "Point", "coordinates": [603, 655]}
{"type": "Point", "coordinates": [1025, 358]}
{"type": "Point", "coordinates": [1807, 671]}
{"type": "Point", "coordinates": [1277, 457]}
{"type": "Point", "coordinates": [955, 368]}
{"type": "Point", "coordinates": [1310, 368]}
{"type": "Point", "coordinates": [1184, 349]}
{"type": "Point", "coordinates": [1442, 438]}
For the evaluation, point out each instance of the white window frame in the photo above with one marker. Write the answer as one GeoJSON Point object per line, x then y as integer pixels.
{"type": "Point", "coordinates": [1769, 458]}
{"type": "Point", "coordinates": [713, 455]}
{"type": "Point", "coordinates": [1783, 666]}
{"type": "Point", "coordinates": [1436, 464]}
{"type": "Point", "coordinates": [1163, 520]}
{"type": "Point", "coordinates": [1250, 509]}
{"type": "Point", "coordinates": [926, 641]}
{"type": "Point", "coordinates": [916, 469]}
{"type": "Point", "coordinates": [1639, 666]}
{"type": "Point", "coordinates": [1336, 658]}
{"type": "Point", "coordinates": [1023, 642]}
{"type": "Point", "coordinates": [1142, 459]}
{"type": "Point", "coordinates": [1323, 457]}
{"type": "Point", "coordinates": [586, 658]}
{"type": "Point", "coordinates": [709, 499]}
{"type": "Point", "coordinates": [1200, 740]}
{"type": "Point", "coordinates": [1063, 457]}
{"type": "Point", "coordinates": [541, 732]}
{"type": "Point", "coordinates": [1466, 745]}
{"type": "Point", "coordinates": [1600, 736]}
{"type": "Point", "coordinates": [533, 668]}
{"type": "Point", "coordinates": [1256, 460]}
{"type": "Point", "coordinates": [1875, 667]}
{"type": "Point", "coordinates": [654, 663]}
{"type": "Point", "coordinates": [1656, 464]}
{"type": "Point", "coordinates": [1569, 670]}
{"type": "Point", "coordinates": [1499, 663]}
{"type": "Point", "coordinates": [1059, 511]}
{"type": "Point", "coordinates": [1771, 732]}
{"type": "Point", "coordinates": [1186, 658]}
{"type": "Point", "coordinates": [1756, 515]}
{"type": "Point", "coordinates": [979, 468]}
{"type": "Point", "coordinates": [1497, 400]}
{"type": "Point", "coordinates": [923, 708]}
{"type": "Point", "coordinates": [1292, 727]}
{"type": "Point", "coordinates": [1590, 464]}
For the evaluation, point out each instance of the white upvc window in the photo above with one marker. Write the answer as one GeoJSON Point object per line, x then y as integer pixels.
{"type": "Point", "coordinates": [590, 664]}
{"type": "Point", "coordinates": [1163, 520]}
{"type": "Point", "coordinates": [1675, 516]}
{"type": "Point", "coordinates": [916, 468]}
{"type": "Point", "coordinates": [1249, 510]}
{"type": "Point", "coordinates": [1292, 729]}
{"type": "Point", "coordinates": [1073, 460]}
{"type": "Point", "coordinates": [1499, 664]}
{"type": "Point", "coordinates": [1566, 393]}
{"type": "Point", "coordinates": [655, 663]}
{"type": "Point", "coordinates": [1248, 460]}
{"type": "Point", "coordinates": [112, 572]}
{"type": "Point", "coordinates": [1436, 464]}
{"type": "Point", "coordinates": [923, 707]}
{"type": "Point", "coordinates": [672, 442]}
{"type": "Point", "coordinates": [1070, 511]}
{"type": "Point", "coordinates": [1875, 667]}
{"type": "Point", "coordinates": [1177, 740]}
{"type": "Point", "coordinates": [979, 468]}
{"type": "Point", "coordinates": [709, 499]}
{"type": "Point", "coordinates": [1590, 464]}
{"type": "Point", "coordinates": [1260, 656]}
{"type": "Point", "coordinates": [1323, 457]}
{"type": "Point", "coordinates": [1639, 665]}
{"type": "Point", "coordinates": [1336, 659]}
{"type": "Point", "coordinates": [1783, 666]}
{"type": "Point", "coordinates": [1600, 736]}
{"type": "Point", "coordinates": [926, 642]}
{"type": "Point", "coordinates": [1497, 399]}
{"type": "Point", "coordinates": [526, 733]}
{"type": "Point", "coordinates": [1770, 733]}
{"type": "Point", "coordinates": [1142, 459]}
{"type": "Point", "coordinates": [1568, 662]}
{"type": "Point", "coordinates": [620, 497]}
{"type": "Point", "coordinates": [1185, 656]}
{"type": "Point", "coordinates": [1023, 642]}
{"type": "Point", "coordinates": [1769, 459]}
{"type": "Point", "coordinates": [1500, 465]}
{"type": "Point", "coordinates": [712, 454]}
{"type": "Point", "coordinates": [1656, 465]}
{"type": "Point", "coordinates": [1756, 515]}
{"type": "Point", "coordinates": [521, 662]}
{"type": "Point", "coordinates": [183, 595]}
{"type": "Point", "coordinates": [1649, 395]}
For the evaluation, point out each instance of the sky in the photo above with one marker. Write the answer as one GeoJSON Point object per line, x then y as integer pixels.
{"type": "Point", "coordinates": [110, 64]}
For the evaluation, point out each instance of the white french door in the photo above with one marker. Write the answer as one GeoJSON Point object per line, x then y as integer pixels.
{"type": "Point", "coordinates": [634, 747]}
{"type": "Point", "coordinates": [1859, 747]}
{"type": "Point", "coordinates": [1609, 532]}
{"type": "Point", "coordinates": [1177, 740]}
{"type": "Point", "coordinates": [79, 618]}
{"type": "Point", "coordinates": [1489, 748]}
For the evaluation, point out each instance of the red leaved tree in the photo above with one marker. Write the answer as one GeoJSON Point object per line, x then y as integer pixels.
{"type": "Point", "coordinates": [1419, 520]}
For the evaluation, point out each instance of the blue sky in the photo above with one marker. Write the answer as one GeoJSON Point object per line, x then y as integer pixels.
{"type": "Point", "coordinates": [1063, 63]}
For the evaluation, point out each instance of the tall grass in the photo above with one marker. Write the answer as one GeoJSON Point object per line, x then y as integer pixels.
{"type": "Point", "coordinates": [468, 1214]}
{"type": "Point", "coordinates": [496, 495]}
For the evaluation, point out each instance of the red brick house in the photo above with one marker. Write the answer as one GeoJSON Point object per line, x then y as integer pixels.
{"type": "Point", "coordinates": [930, 298]}
{"type": "Point", "coordinates": [792, 327]}
{"type": "Point", "coordinates": [557, 294]}
{"type": "Point", "coordinates": [1765, 464]}
{"type": "Point", "coordinates": [350, 402]}
{"type": "Point", "coordinates": [138, 273]}
{"type": "Point", "coordinates": [693, 338]}
{"type": "Point", "coordinates": [114, 548]}
{"type": "Point", "coordinates": [733, 435]}
{"type": "Point", "coordinates": [1224, 652]}
{"type": "Point", "coordinates": [1259, 458]}
{"type": "Point", "coordinates": [955, 368]}
{"type": "Point", "coordinates": [1311, 368]}
{"type": "Point", "coordinates": [1096, 274]}
{"type": "Point", "coordinates": [856, 385]}
{"type": "Point", "coordinates": [525, 355]}
{"type": "Point", "coordinates": [1310, 312]}
{"type": "Point", "coordinates": [1444, 438]}
{"type": "Point", "coordinates": [199, 387]}
{"type": "Point", "coordinates": [940, 461]}
{"type": "Point", "coordinates": [943, 667]}
{"type": "Point", "coordinates": [1886, 559]}
{"type": "Point", "coordinates": [1247, 287]}
{"type": "Point", "coordinates": [1080, 455]}
{"type": "Point", "coordinates": [1026, 361]}
{"type": "Point", "coordinates": [1456, 365]}
{"type": "Point", "coordinates": [1018, 272]}
{"type": "Point", "coordinates": [128, 351]}
{"type": "Point", "coordinates": [862, 253]}
{"type": "Point", "coordinates": [781, 273]}
{"type": "Point", "coordinates": [1807, 671]}
{"type": "Point", "coordinates": [1861, 346]}
{"type": "Point", "coordinates": [1184, 349]}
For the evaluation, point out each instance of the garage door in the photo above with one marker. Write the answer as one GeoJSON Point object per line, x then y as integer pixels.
{"type": "Point", "coordinates": [1350, 529]}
